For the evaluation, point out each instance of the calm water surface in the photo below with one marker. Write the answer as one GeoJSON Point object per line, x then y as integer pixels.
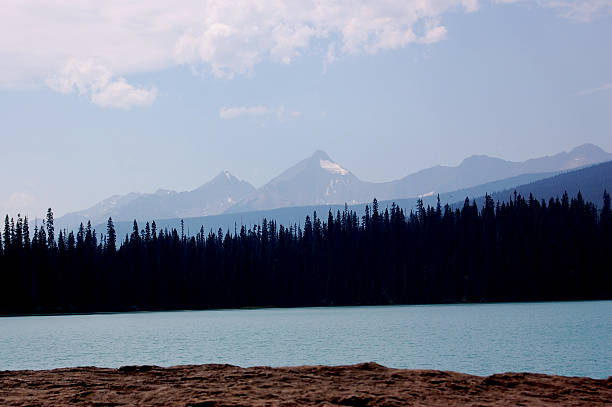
{"type": "Point", "coordinates": [571, 338]}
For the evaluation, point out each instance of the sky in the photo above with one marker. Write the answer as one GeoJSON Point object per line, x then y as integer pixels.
{"type": "Point", "coordinates": [103, 98]}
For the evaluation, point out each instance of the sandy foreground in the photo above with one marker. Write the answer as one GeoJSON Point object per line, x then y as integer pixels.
{"type": "Point", "coordinates": [366, 384]}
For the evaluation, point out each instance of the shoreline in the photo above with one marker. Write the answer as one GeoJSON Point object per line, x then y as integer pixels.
{"type": "Point", "coordinates": [365, 384]}
{"type": "Point", "coordinates": [272, 307]}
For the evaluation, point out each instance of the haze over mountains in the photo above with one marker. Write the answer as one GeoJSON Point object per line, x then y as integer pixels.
{"type": "Point", "coordinates": [319, 180]}
{"type": "Point", "coordinates": [590, 180]}
{"type": "Point", "coordinates": [211, 198]}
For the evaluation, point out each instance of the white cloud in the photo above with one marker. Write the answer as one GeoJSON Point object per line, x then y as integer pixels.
{"type": "Point", "coordinates": [233, 112]}
{"type": "Point", "coordinates": [605, 86]}
{"type": "Point", "coordinates": [253, 111]}
{"type": "Point", "coordinates": [580, 10]}
{"type": "Point", "coordinates": [96, 81]}
{"type": "Point", "coordinates": [84, 77]}
{"type": "Point", "coordinates": [92, 47]}
{"type": "Point", "coordinates": [433, 33]}
{"type": "Point", "coordinates": [122, 95]}
{"type": "Point", "coordinates": [40, 41]}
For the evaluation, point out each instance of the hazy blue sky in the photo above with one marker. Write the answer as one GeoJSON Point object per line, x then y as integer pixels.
{"type": "Point", "coordinates": [134, 96]}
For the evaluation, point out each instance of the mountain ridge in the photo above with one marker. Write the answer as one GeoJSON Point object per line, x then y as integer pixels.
{"type": "Point", "coordinates": [211, 197]}
{"type": "Point", "coordinates": [593, 180]}
{"type": "Point", "coordinates": [319, 180]}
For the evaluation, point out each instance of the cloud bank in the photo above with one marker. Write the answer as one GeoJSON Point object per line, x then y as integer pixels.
{"type": "Point", "coordinates": [605, 86]}
{"type": "Point", "coordinates": [254, 111]}
{"type": "Point", "coordinates": [90, 48]}
{"type": "Point", "coordinates": [579, 10]}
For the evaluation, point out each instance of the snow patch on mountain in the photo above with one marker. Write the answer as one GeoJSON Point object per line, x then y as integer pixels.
{"type": "Point", "coordinates": [332, 167]}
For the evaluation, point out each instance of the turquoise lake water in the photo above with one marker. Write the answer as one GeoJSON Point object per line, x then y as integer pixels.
{"type": "Point", "coordinates": [565, 338]}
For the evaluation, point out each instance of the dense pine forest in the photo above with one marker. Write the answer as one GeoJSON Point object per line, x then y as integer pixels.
{"type": "Point", "coordinates": [522, 250]}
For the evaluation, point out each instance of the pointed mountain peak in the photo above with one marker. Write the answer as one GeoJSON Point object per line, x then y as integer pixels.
{"type": "Point", "coordinates": [586, 154]}
{"type": "Point", "coordinates": [587, 148]}
{"type": "Point", "coordinates": [321, 159]}
{"type": "Point", "coordinates": [225, 174]}
{"type": "Point", "coordinates": [321, 155]}
{"type": "Point", "coordinates": [224, 177]}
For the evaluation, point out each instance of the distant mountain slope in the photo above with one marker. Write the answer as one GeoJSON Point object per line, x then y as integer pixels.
{"type": "Point", "coordinates": [229, 221]}
{"type": "Point", "coordinates": [211, 198]}
{"type": "Point", "coordinates": [590, 181]}
{"type": "Point", "coordinates": [476, 191]}
{"type": "Point", "coordinates": [480, 169]}
{"type": "Point", "coordinates": [97, 213]}
{"type": "Point", "coordinates": [297, 214]}
{"type": "Point", "coordinates": [319, 180]}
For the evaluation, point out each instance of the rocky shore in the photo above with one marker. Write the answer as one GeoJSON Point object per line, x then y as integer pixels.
{"type": "Point", "coordinates": [366, 384]}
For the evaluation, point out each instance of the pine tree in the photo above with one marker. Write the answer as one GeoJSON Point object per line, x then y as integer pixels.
{"type": "Point", "coordinates": [147, 236]}
{"type": "Point", "coordinates": [94, 239]}
{"type": "Point", "coordinates": [12, 234]}
{"type": "Point", "coordinates": [420, 210]}
{"type": "Point", "coordinates": [50, 229]}
{"type": "Point", "coordinates": [606, 213]}
{"type": "Point", "coordinates": [135, 236]}
{"type": "Point", "coordinates": [71, 241]}
{"type": "Point", "coordinates": [7, 235]}
{"type": "Point", "coordinates": [375, 214]}
{"type": "Point", "coordinates": [26, 234]}
{"type": "Point", "coordinates": [111, 243]}
{"type": "Point", "coordinates": [19, 233]}
{"type": "Point", "coordinates": [42, 238]}
{"type": "Point", "coordinates": [35, 237]}
{"type": "Point", "coordinates": [80, 237]}
{"type": "Point", "coordinates": [308, 230]}
{"type": "Point", "coordinates": [61, 244]}
{"type": "Point", "coordinates": [89, 243]}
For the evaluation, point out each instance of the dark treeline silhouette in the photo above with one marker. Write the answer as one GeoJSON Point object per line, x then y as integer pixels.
{"type": "Point", "coordinates": [522, 250]}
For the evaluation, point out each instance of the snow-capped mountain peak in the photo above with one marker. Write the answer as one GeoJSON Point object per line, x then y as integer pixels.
{"type": "Point", "coordinates": [315, 180]}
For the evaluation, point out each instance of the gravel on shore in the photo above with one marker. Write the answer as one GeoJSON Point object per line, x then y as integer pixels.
{"type": "Point", "coordinates": [366, 384]}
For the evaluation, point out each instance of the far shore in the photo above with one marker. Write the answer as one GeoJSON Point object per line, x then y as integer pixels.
{"type": "Point", "coordinates": [133, 310]}
{"type": "Point", "coordinates": [366, 384]}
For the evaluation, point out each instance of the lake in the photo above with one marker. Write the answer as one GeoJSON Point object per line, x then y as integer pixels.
{"type": "Point", "coordinates": [565, 338]}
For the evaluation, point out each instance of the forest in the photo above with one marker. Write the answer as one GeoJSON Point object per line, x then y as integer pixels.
{"type": "Point", "coordinates": [521, 250]}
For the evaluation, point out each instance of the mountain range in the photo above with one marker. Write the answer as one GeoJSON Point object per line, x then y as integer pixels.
{"type": "Point", "coordinates": [212, 198]}
{"type": "Point", "coordinates": [591, 181]}
{"type": "Point", "coordinates": [319, 180]}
